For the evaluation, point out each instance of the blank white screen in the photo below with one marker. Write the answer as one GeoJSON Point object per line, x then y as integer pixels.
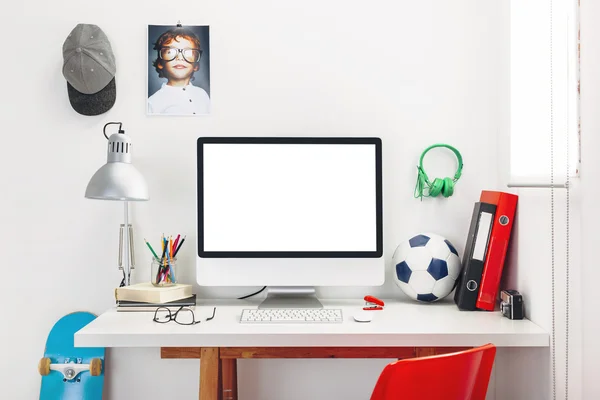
{"type": "Point", "coordinates": [289, 197]}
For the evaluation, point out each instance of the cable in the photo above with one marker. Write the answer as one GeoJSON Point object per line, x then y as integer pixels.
{"type": "Point", "coordinates": [123, 280]}
{"type": "Point", "coordinates": [252, 294]}
{"type": "Point", "coordinates": [553, 350]}
{"type": "Point", "coordinates": [567, 272]}
{"type": "Point", "coordinates": [239, 298]}
{"type": "Point", "coordinates": [567, 289]}
{"type": "Point", "coordinates": [112, 123]}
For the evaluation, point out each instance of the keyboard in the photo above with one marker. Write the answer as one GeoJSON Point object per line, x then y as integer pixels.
{"type": "Point", "coordinates": [291, 315]}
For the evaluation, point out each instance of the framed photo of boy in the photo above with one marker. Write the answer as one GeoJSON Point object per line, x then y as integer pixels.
{"type": "Point", "coordinates": [178, 70]}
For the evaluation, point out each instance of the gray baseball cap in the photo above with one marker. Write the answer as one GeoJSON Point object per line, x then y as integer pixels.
{"type": "Point", "coordinates": [89, 68]}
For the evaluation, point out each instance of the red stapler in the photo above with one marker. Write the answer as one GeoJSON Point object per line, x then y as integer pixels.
{"type": "Point", "coordinates": [373, 303]}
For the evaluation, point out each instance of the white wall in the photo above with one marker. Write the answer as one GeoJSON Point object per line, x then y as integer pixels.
{"type": "Point", "coordinates": [529, 270]}
{"type": "Point", "coordinates": [413, 73]}
{"type": "Point", "coordinates": [590, 170]}
{"type": "Point", "coordinates": [542, 244]}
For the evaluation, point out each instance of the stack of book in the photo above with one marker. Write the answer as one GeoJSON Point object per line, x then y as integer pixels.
{"type": "Point", "coordinates": [147, 297]}
{"type": "Point", "coordinates": [485, 251]}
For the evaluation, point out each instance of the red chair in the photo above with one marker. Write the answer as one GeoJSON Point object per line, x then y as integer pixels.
{"type": "Point", "coordinates": [462, 375]}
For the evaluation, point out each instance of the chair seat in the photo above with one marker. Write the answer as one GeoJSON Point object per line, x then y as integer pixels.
{"type": "Point", "coordinates": [463, 375]}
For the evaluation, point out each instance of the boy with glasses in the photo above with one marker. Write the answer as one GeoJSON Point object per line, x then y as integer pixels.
{"type": "Point", "coordinates": [178, 58]}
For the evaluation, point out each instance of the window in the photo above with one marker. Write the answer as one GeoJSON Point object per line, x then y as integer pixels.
{"type": "Point", "coordinates": [544, 99]}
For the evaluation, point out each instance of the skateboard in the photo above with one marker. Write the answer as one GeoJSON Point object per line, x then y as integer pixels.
{"type": "Point", "coordinates": [70, 372]}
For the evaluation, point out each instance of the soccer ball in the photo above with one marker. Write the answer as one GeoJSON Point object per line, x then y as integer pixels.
{"type": "Point", "coordinates": [426, 267]}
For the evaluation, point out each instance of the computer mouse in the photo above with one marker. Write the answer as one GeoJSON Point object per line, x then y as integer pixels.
{"type": "Point", "coordinates": [363, 316]}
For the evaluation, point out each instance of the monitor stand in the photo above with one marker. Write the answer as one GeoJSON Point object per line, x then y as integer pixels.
{"type": "Point", "coordinates": [291, 297]}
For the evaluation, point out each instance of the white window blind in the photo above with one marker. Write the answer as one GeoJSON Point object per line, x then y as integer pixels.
{"type": "Point", "coordinates": [544, 97]}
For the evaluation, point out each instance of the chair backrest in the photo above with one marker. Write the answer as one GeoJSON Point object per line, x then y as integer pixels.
{"type": "Point", "coordinates": [462, 375]}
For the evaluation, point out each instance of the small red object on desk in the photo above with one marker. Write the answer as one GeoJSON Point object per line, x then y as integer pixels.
{"type": "Point", "coordinates": [373, 303]}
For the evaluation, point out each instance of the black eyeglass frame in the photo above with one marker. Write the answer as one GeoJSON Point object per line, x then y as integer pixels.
{"type": "Point", "coordinates": [179, 51]}
{"type": "Point", "coordinates": [173, 316]}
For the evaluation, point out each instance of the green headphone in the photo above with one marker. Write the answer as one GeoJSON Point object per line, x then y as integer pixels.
{"type": "Point", "coordinates": [444, 186]}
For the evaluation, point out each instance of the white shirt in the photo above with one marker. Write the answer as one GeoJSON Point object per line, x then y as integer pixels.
{"type": "Point", "coordinates": [177, 100]}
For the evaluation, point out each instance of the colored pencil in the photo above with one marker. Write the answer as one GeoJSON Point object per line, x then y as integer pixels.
{"type": "Point", "coordinates": [164, 249]}
{"type": "Point", "coordinates": [170, 274]}
{"type": "Point", "coordinates": [170, 248]}
{"type": "Point", "coordinates": [180, 244]}
{"type": "Point", "coordinates": [163, 258]}
{"type": "Point", "coordinates": [151, 249]}
{"type": "Point", "coordinates": [176, 242]}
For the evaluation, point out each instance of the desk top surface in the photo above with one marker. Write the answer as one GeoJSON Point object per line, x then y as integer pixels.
{"type": "Point", "coordinates": [401, 323]}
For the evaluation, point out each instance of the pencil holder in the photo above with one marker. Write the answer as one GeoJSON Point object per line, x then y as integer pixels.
{"type": "Point", "coordinates": [163, 272]}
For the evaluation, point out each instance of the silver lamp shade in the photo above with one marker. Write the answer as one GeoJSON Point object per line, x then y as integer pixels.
{"type": "Point", "coordinates": [118, 179]}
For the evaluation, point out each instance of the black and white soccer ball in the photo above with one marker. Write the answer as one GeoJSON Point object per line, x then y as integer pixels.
{"type": "Point", "coordinates": [426, 267]}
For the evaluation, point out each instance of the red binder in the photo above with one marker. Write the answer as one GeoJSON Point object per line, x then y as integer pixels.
{"type": "Point", "coordinates": [506, 205]}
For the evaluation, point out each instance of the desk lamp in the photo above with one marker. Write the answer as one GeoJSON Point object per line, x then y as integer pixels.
{"type": "Point", "coordinates": [119, 180]}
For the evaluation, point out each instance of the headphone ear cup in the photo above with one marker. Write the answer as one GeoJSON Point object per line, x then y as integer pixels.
{"type": "Point", "coordinates": [448, 188]}
{"type": "Point", "coordinates": [436, 187]}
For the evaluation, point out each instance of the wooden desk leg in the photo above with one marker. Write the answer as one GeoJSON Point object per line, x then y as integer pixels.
{"type": "Point", "coordinates": [229, 368]}
{"type": "Point", "coordinates": [425, 351]}
{"type": "Point", "coordinates": [210, 374]}
{"type": "Point", "coordinates": [434, 351]}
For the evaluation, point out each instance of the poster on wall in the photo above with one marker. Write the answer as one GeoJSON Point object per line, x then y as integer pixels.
{"type": "Point", "coordinates": [178, 70]}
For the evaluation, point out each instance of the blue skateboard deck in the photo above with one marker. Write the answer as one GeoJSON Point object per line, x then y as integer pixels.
{"type": "Point", "coordinates": [70, 372]}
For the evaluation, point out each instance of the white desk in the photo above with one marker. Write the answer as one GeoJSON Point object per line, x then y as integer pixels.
{"type": "Point", "coordinates": [403, 329]}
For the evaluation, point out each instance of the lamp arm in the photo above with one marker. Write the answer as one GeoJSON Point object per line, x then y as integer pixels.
{"type": "Point", "coordinates": [126, 247]}
{"type": "Point", "coordinates": [126, 243]}
{"type": "Point", "coordinates": [131, 247]}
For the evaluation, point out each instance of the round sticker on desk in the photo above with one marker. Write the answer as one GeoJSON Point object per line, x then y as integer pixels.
{"type": "Point", "coordinates": [503, 220]}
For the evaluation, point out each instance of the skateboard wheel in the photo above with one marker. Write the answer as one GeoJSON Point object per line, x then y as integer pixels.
{"type": "Point", "coordinates": [95, 366]}
{"type": "Point", "coordinates": [44, 366]}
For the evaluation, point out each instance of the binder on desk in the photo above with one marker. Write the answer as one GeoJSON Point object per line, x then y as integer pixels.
{"type": "Point", "coordinates": [474, 256]}
{"type": "Point", "coordinates": [506, 205]}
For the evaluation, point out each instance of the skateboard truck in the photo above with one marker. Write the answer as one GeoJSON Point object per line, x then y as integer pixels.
{"type": "Point", "coordinates": [70, 369]}
{"type": "Point", "coordinates": [64, 367]}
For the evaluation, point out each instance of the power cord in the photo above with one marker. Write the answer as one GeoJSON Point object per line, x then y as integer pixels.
{"type": "Point", "coordinates": [239, 298]}
{"type": "Point", "coordinates": [123, 280]}
{"type": "Point", "coordinates": [252, 294]}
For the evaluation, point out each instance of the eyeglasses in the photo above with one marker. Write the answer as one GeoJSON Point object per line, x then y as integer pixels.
{"type": "Point", "coordinates": [183, 316]}
{"type": "Point", "coordinates": [189, 55]}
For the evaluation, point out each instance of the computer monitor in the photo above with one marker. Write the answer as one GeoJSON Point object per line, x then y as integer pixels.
{"type": "Point", "coordinates": [290, 213]}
